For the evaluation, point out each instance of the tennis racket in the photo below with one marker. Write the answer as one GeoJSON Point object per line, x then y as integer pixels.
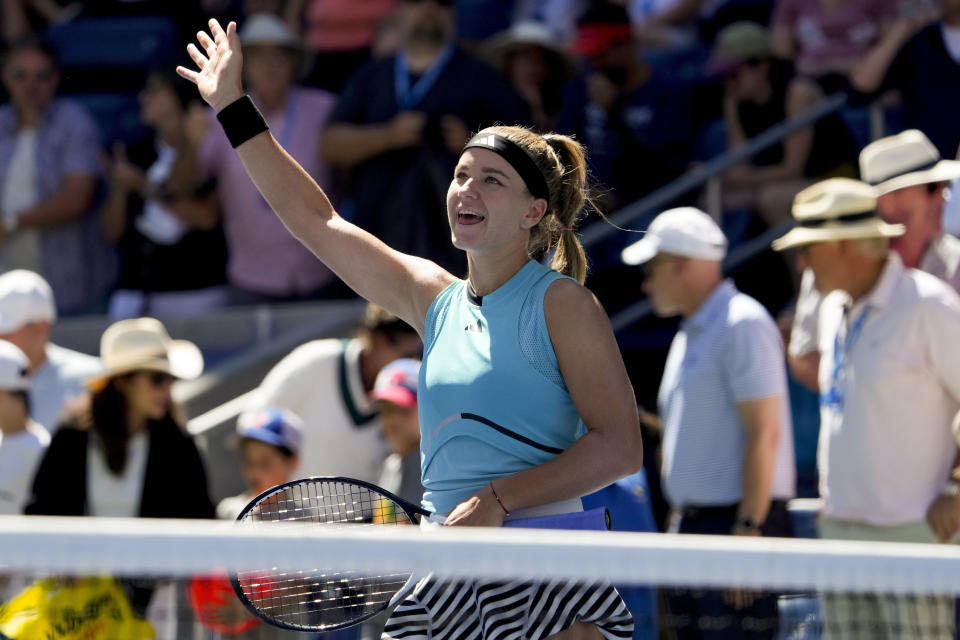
{"type": "Point", "coordinates": [323, 600]}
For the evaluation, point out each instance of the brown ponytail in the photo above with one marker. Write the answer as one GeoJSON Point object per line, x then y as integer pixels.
{"type": "Point", "coordinates": [562, 162]}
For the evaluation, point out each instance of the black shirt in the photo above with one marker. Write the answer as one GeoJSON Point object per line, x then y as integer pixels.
{"type": "Point", "coordinates": [400, 195]}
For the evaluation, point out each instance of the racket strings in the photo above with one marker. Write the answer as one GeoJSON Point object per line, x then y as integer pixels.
{"type": "Point", "coordinates": [320, 598]}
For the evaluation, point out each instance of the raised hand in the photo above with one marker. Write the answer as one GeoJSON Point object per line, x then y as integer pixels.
{"type": "Point", "coordinates": [219, 65]}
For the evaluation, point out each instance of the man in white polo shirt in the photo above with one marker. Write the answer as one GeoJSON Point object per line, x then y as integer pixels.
{"type": "Point", "coordinates": [910, 179]}
{"type": "Point", "coordinates": [27, 313]}
{"type": "Point", "coordinates": [889, 381]}
{"type": "Point", "coordinates": [728, 464]}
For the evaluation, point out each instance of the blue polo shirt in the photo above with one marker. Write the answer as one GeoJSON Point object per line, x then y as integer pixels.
{"type": "Point", "coordinates": [728, 352]}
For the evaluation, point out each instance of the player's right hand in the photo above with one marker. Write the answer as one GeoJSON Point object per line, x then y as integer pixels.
{"type": "Point", "coordinates": [219, 65]}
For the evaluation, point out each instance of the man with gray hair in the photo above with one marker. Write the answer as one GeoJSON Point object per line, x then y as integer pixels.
{"type": "Point", "coordinates": [728, 463]}
{"type": "Point", "coordinates": [889, 380]}
{"type": "Point", "coordinates": [27, 313]}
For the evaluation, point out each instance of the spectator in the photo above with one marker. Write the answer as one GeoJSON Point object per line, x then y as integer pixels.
{"type": "Point", "coordinates": [395, 400]}
{"type": "Point", "coordinates": [172, 250]}
{"type": "Point", "coordinates": [400, 124]}
{"type": "Point", "coordinates": [122, 451]}
{"type": "Point", "coordinates": [23, 17]}
{"type": "Point", "coordinates": [22, 441]}
{"type": "Point", "coordinates": [728, 466]}
{"type": "Point", "coordinates": [327, 382]}
{"type": "Point", "coordinates": [27, 313]}
{"type": "Point", "coordinates": [920, 57]}
{"type": "Point", "coordinates": [265, 263]}
{"type": "Point", "coordinates": [910, 179]}
{"type": "Point", "coordinates": [269, 446]}
{"type": "Point", "coordinates": [893, 330]}
{"type": "Point", "coordinates": [46, 227]}
{"type": "Point", "coordinates": [826, 38]}
{"type": "Point", "coordinates": [112, 454]}
{"type": "Point", "coordinates": [761, 91]}
{"type": "Point", "coordinates": [536, 67]}
{"type": "Point", "coordinates": [339, 34]}
{"type": "Point", "coordinates": [625, 112]}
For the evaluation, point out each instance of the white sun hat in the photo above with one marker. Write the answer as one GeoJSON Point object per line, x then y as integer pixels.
{"type": "Point", "coordinates": [904, 160]}
{"type": "Point", "coordinates": [836, 209]}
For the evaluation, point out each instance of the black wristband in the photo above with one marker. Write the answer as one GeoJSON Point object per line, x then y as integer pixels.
{"type": "Point", "coordinates": [241, 120]}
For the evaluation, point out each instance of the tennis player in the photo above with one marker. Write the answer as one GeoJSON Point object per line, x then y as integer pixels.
{"type": "Point", "coordinates": [524, 400]}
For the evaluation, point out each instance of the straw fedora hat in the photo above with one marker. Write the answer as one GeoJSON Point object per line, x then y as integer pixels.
{"type": "Point", "coordinates": [904, 160]}
{"type": "Point", "coordinates": [836, 209]}
{"type": "Point", "coordinates": [143, 344]}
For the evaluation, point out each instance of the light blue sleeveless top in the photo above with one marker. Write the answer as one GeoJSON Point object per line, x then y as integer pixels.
{"type": "Point", "coordinates": [491, 398]}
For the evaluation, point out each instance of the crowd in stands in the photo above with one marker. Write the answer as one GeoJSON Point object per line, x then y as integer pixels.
{"type": "Point", "coordinates": [121, 195]}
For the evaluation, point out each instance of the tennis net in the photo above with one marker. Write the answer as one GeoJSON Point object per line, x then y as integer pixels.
{"type": "Point", "coordinates": [819, 588]}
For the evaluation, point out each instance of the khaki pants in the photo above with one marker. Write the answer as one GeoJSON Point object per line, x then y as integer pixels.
{"type": "Point", "coordinates": [855, 616]}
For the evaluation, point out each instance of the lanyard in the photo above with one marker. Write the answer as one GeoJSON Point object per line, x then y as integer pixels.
{"type": "Point", "coordinates": [834, 396]}
{"type": "Point", "coordinates": [408, 97]}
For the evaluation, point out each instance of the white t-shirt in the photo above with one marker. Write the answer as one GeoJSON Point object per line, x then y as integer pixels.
{"type": "Point", "coordinates": [320, 382]}
{"type": "Point", "coordinates": [886, 452]}
{"type": "Point", "coordinates": [58, 381]}
{"type": "Point", "coordinates": [115, 496]}
{"type": "Point", "coordinates": [20, 454]}
{"type": "Point", "coordinates": [19, 192]}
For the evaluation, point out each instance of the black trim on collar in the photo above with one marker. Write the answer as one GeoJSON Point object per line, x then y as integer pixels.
{"type": "Point", "coordinates": [473, 297]}
{"type": "Point", "coordinates": [359, 419]}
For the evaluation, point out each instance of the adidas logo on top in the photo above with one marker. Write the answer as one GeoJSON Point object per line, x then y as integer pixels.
{"type": "Point", "coordinates": [486, 141]}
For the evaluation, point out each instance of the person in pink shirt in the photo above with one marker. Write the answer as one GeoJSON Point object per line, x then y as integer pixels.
{"type": "Point", "coordinates": [339, 33]}
{"type": "Point", "coordinates": [266, 263]}
{"type": "Point", "coordinates": [827, 37]}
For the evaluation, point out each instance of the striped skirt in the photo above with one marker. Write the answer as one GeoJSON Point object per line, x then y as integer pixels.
{"type": "Point", "coordinates": [438, 610]}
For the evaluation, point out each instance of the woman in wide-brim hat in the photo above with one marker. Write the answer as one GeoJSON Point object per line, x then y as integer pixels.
{"type": "Point", "coordinates": [120, 450]}
{"type": "Point", "coordinates": [535, 65]}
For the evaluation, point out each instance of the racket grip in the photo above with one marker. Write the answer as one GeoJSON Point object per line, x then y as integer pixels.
{"type": "Point", "coordinates": [597, 519]}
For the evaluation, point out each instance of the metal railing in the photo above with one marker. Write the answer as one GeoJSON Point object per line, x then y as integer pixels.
{"type": "Point", "coordinates": [708, 174]}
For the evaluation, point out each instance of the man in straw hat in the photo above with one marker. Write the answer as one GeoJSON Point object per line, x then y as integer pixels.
{"type": "Point", "coordinates": [728, 443]}
{"type": "Point", "coordinates": [890, 387]}
{"type": "Point", "coordinates": [910, 180]}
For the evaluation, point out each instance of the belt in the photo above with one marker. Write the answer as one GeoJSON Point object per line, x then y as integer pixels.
{"type": "Point", "coordinates": [706, 511]}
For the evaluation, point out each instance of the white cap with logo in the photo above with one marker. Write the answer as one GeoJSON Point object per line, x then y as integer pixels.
{"type": "Point", "coordinates": [14, 368]}
{"type": "Point", "coordinates": [24, 297]}
{"type": "Point", "coordinates": [685, 231]}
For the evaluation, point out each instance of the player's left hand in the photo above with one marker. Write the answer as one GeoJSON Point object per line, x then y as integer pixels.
{"type": "Point", "coordinates": [479, 510]}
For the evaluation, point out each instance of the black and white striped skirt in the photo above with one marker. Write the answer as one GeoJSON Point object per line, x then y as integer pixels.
{"type": "Point", "coordinates": [438, 610]}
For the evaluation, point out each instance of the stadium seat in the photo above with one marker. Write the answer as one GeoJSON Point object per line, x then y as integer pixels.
{"type": "Point", "coordinates": [115, 43]}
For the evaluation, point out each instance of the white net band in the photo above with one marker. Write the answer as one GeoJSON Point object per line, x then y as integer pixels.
{"type": "Point", "coordinates": [145, 547]}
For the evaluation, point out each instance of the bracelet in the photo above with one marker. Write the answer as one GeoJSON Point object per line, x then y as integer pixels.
{"type": "Point", "coordinates": [241, 120]}
{"type": "Point", "coordinates": [499, 501]}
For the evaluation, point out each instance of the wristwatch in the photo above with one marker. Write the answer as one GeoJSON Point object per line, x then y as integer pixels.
{"type": "Point", "coordinates": [746, 523]}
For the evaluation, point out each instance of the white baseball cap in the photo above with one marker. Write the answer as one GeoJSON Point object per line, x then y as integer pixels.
{"type": "Point", "coordinates": [14, 368]}
{"type": "Point", "coordinates": [24, 297]}
{"type": "Point", "coordinates": [685, 231]}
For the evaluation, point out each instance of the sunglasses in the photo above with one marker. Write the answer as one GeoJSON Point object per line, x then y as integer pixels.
{"type": "Point", "coordinates": [40, 75]}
